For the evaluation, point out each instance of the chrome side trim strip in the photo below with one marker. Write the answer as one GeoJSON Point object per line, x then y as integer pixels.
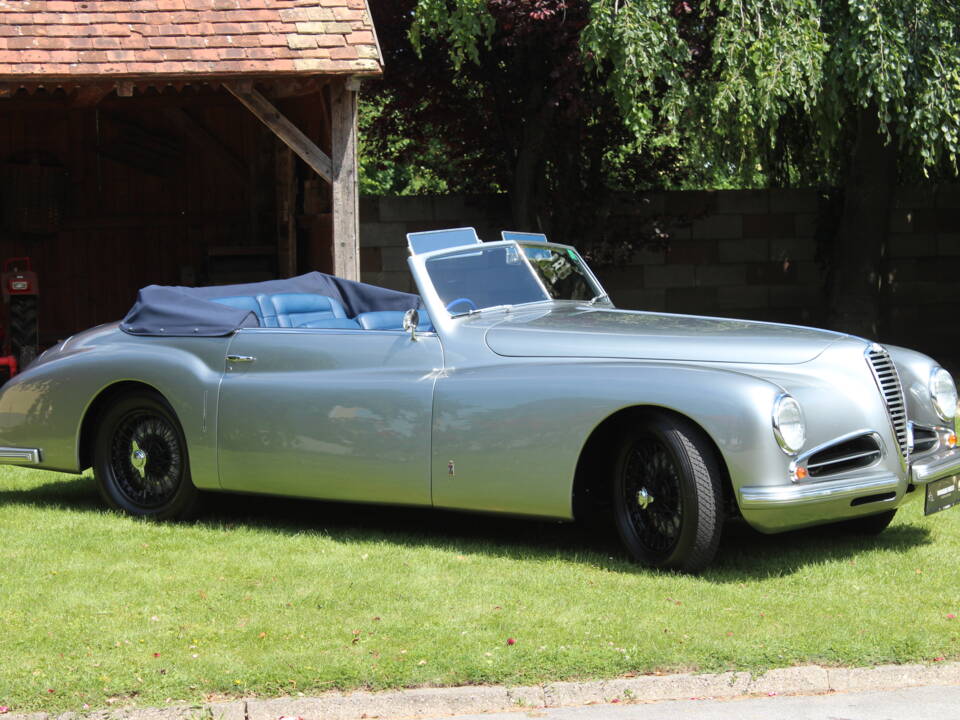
{"type": "Point", "coordinates": [19, 456]}
{"type": "Point", "coordinates": [779, 495]}
{"type": "Point", "coordinates": [941, 465]}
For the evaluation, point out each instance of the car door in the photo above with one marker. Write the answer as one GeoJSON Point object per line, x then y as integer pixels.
{"type": "Point", "coordinates": [335, 414]}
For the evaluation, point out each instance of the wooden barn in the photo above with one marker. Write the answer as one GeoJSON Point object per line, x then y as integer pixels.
{"type": "Point", "coordinates": [177, 142]}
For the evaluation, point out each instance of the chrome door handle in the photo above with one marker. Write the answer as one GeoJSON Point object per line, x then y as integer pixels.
{"type": "Point", "coordinates": [240, 358]}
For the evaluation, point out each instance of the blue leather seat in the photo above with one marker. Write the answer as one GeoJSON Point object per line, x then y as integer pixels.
{"type": "Point", "coordinates": [381, 320]}
{"type": "Point", "coordinates": [391, 320]}
{"type": "Point", "coordinates": [305, 309]}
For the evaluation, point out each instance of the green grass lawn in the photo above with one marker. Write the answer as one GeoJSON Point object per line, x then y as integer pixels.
{"type": "Point", "coordinates": [271, 597]}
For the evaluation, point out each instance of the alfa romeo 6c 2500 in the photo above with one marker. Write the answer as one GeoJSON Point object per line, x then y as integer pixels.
{"type": "Point", "coordinates": [510, 384]}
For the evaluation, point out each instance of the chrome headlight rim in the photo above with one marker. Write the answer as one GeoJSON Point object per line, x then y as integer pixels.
{"type": "Point", "coordinates": [790, 444]}
{"type": "Point", "coordinates": [946, 407]}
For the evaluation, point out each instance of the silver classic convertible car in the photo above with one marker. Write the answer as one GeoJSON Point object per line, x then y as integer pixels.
{"type": "Point", "coordinates": [511, 384]}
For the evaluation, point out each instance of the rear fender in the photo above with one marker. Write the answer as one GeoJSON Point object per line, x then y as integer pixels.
{"type": "Point", "coordinates": [45, 406]}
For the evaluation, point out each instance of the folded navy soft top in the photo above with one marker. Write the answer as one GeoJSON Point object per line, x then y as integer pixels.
{"type": "Point", "coordinates": [173, 310]}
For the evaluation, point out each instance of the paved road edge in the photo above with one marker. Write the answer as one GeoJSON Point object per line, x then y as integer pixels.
{"type": "Point", "coordinates": [433, 702]}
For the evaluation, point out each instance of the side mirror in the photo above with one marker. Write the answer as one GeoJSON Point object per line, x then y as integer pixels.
{"type": "Point", "coordinates": [411, 318]}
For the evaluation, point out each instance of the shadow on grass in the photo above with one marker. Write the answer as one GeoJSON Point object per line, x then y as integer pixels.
{"type": "Point", "coordinates": [744, 553]}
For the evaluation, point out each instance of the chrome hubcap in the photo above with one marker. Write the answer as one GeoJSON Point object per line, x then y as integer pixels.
{"type": "Point", "coordinates": [644, 499]}
{"type": "Point", "coordinates": [138, 458]}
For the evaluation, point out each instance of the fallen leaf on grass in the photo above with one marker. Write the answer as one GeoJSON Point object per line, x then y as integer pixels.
{"type": "Point", "coordinates": [511, 641]}
{"type": "Point", "coordinates": [951, 616]}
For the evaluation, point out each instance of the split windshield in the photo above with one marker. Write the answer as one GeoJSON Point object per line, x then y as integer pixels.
{"type": "Point", "coordinates": [487, 276]}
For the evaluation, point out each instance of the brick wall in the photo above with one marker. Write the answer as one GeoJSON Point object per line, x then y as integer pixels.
{"type": "Point", "coordinates": [742, 253]}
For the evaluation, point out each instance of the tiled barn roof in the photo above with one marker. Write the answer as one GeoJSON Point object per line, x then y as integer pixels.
{"type": "Point", "coordinates": [42, 39]}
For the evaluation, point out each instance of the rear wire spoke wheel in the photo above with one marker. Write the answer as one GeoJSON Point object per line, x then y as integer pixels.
{"type": "Point", "coordinates": [667, 494]}
{"type": "Point", "coordinates": [140, 459]}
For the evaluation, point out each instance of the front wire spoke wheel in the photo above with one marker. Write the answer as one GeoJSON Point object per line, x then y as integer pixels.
{"type": "Point", "coordinates": [667, 493]}
{"type": "Point", "coordinates": [650, 493]}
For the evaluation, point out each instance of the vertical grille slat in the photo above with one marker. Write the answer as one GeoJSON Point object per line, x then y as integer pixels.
{"type": "Point", "coordinates": [888, 381]}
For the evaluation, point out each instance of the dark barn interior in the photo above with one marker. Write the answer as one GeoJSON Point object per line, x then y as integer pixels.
{"type": "Point", "coordinates": [171, 186]}
{"type": "Point", "coordinates": [172, 143]}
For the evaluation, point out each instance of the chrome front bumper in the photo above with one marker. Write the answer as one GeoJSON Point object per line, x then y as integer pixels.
{"type": "Point", "coordinates": [877, 483]}
{"type": "Point", "coordinates": [19, 456]}
{"type": "Point", "coordinates": [941, 464]}
{"type": "Point", "coordinates": [934, 467]}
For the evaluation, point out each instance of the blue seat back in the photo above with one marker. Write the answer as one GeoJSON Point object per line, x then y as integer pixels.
{"type": "Point", "coordinates": [267, 311]}
{"type": "Point", "coordinates": [299, 309]}
{"type": "Point", "coordinates": [242, 302]}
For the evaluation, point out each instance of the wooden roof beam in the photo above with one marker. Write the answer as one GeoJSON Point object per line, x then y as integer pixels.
{"type": "Point", "coordinates": [85, 96]}
{"type": "Point", "coordinates": [203, 138]}
{"type": "Point", "coordinates": [289, 133]}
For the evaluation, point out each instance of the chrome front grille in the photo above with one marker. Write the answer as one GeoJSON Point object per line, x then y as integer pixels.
{"type": "Point", "coordinates": [885, 373]}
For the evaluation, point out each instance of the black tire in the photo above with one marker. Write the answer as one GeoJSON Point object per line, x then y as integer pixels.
{"type": "Point", "coordinates": [23, 325]}
{"type": "Point", "coordinates": [155, 484]}
{"type": "Point", "coordinates": [869, 524]}
{"type": "Point", "coordinates": [667, 499]}
{"type": "Point", "coordinates": [28, 354]}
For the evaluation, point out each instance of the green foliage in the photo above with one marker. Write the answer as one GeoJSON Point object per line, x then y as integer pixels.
{"type": "Point", "coordinates": [383, 170]}
{"type": "Point", "coordinates": [465, 25]}
{"type": "Point", "coordinates": [647, 57]}
{"type": "Point", "coordinates": [769, 87]}
{"type": "Point", "coordinates": [773, 62]}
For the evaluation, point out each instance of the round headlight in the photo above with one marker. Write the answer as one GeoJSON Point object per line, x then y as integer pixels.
{"type": "Point", "coordinates": [788, 424]}
{"type": "Point", "coordinates": [944, 393]}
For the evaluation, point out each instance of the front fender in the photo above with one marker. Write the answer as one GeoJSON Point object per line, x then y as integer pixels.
{"type": "Point", "coordinates": [507, 437]}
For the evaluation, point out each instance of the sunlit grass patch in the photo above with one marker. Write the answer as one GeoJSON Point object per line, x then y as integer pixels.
{"type": "Point", "coordinates": [273, 597]}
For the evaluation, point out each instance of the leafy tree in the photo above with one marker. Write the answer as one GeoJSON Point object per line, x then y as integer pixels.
{"type": "Point", "coordinates": [857, 93]}
{"type": "Point", "coordinates": [506, 103]}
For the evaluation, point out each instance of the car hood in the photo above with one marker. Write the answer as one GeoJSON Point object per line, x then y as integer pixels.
{"type": "Point", "coordinates": [578, 331]}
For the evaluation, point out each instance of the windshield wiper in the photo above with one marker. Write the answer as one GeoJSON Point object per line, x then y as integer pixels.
{"type": "Point", "coordinates": [480, 310]}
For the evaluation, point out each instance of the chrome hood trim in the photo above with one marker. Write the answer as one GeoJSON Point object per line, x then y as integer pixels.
{"type": "Point", "coordinates": [575, 330]}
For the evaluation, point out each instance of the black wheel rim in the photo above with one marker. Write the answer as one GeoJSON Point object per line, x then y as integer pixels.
{"type": "Point", "coordinates": [146, 459]}
{"type": "Point", "coordinates": [651, 496]}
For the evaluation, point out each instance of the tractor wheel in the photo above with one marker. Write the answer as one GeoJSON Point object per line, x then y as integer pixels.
{"type": "Point", "coordinates": [23, 325]}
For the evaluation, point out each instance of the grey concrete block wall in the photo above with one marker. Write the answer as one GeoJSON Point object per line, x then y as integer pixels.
{"type": "Point", "coordinates": [745, 253]}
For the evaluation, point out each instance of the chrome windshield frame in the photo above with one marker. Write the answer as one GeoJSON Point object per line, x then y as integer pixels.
{"type": "Point", "coordinates": [436, 307]}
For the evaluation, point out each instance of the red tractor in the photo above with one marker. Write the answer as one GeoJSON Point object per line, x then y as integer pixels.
{"type": "Point", "coordinates": [20, 299]}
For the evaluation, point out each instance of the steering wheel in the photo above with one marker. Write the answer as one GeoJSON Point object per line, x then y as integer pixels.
{"type": "Point", "coordinates": [471, 305]}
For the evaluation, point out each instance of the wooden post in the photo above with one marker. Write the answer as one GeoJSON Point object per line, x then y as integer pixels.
{"type": "Point", "coordinates": [286, 212]}
{"type": "Point", "coordinates": [346, 226]}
